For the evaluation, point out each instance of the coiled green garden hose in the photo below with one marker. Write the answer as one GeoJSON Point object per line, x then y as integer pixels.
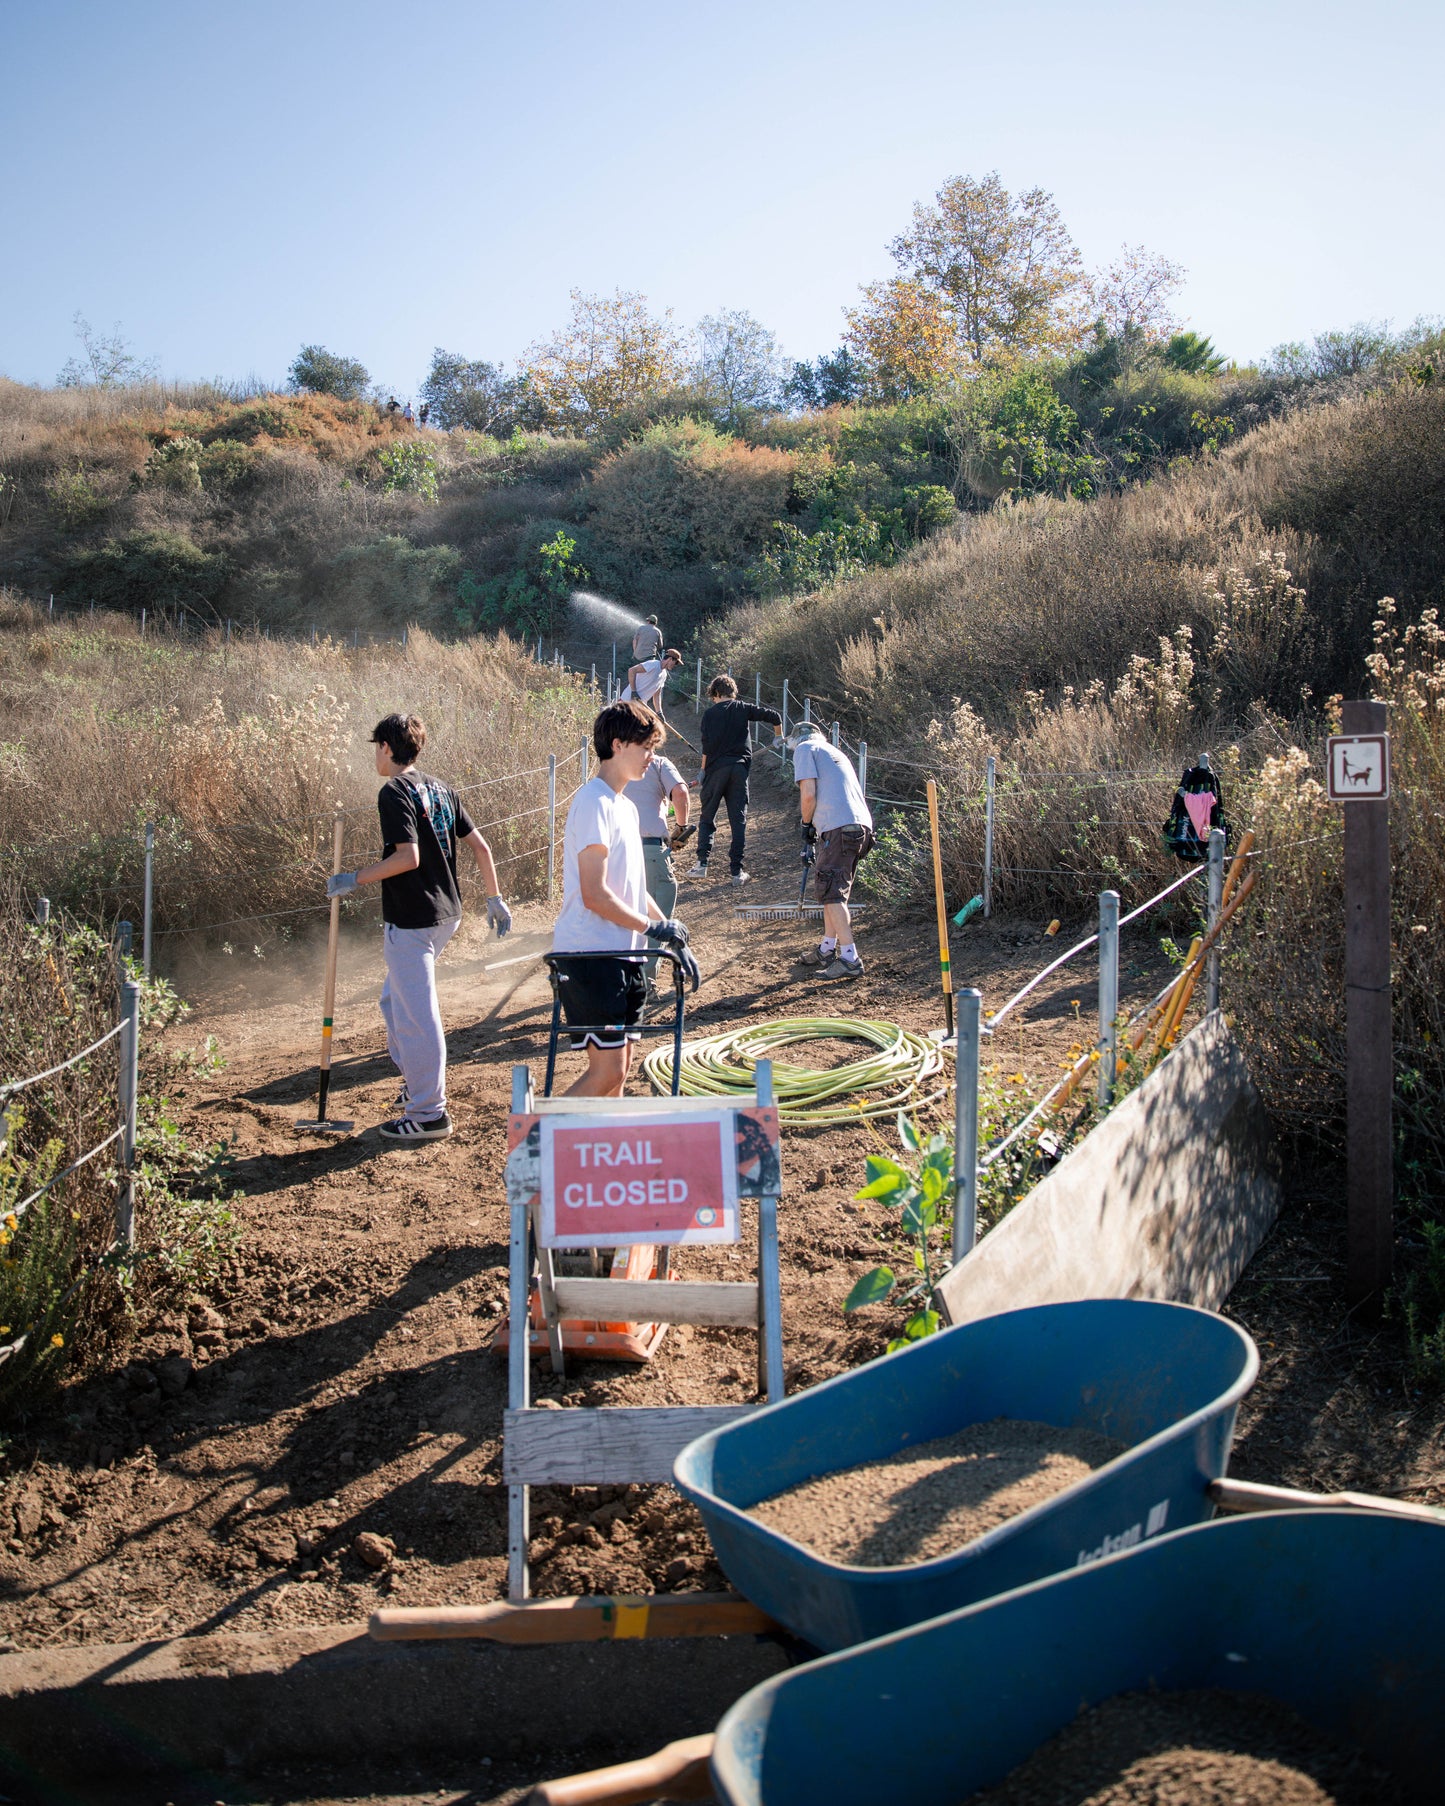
{"type": "Point", "coordinates": [895, 1076]}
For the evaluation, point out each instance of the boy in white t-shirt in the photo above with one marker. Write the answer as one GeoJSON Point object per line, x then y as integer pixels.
{"type": "Point", "coordinates": [647, 681]}
{"type": "Point", "coordinates": [607, 913]}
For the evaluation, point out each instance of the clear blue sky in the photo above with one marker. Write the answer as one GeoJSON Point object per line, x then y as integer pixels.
{"type": "Point", "coordinates": [234, 178]}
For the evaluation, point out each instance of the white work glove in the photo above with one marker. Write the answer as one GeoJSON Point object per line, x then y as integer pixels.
{"type": "Point", "coordinates": [341, 884]}
{"type": "Point", "coordinates": [498, 916]}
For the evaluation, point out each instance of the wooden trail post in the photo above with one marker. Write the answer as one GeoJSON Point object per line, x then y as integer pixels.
{"type": "Point", "coordinates": [1359, 776]}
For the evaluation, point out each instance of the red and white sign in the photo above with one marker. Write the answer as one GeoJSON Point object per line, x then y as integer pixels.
{"type": "Point", "coordinates": [1358, 767]}
{"type": "Point", "coordinates": [610, 1184]}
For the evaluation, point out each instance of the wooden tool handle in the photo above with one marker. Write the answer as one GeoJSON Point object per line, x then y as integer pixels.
{"type": "Point", "coordinates": [678, 1771]}
{"type": "Point", "coordinates": [572, 1620]}
{"type": "Point", "coordinates": [1247, 1495]}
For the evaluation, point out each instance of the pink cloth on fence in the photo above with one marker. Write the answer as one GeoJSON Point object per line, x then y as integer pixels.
{"type": "Point", "coordinates": [1200, 809]}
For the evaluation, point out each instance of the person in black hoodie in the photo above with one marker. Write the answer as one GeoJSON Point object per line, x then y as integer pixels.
{"type": "Point", "coordinates": [727, 759]}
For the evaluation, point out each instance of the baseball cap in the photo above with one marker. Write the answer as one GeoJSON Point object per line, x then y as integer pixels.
{"type": "Point", "coordinates": [803, 730]}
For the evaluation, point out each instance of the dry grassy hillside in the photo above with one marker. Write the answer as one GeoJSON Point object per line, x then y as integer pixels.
{"type": "Point", "coordinates": [1349, 498]}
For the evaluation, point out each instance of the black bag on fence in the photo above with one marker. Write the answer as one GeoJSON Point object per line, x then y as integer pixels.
{"type": "Point", "coordinates": [1198, 809]}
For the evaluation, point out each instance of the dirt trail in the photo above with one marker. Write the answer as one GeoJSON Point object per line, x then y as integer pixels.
{"type": "Point", "coordinates": [341, 1384]}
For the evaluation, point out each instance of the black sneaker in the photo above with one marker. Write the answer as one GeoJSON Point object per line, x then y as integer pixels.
{"type": "Point", "coordinates": [409, 1129]}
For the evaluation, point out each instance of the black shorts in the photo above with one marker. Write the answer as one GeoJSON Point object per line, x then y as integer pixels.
{"type": "Point", "coordinates": [840, 852]}
{"type": "Point", "coordinates": [602, 998]}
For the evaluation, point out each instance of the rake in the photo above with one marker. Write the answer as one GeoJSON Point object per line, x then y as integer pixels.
{"type": "Point", "coordinates": [790, 912]}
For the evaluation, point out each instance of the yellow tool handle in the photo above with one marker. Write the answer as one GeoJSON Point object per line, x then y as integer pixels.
{"type": "Point", "coordinates": [938, 889]}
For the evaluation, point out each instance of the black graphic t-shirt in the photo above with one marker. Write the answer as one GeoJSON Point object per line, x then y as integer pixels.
{"type": "Point", "coordinates": [430, 814]}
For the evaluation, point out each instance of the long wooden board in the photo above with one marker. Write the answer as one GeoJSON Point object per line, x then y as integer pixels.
{"type": "Point", "coordinates": [610, 1446]}
{"type": "Point", "coordinates": [658, 1301]}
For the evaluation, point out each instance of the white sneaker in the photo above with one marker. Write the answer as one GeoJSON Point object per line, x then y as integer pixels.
{"type": "Point", "coordinates": [699, 870]}
{"type": "Point", "coordinates": [742, 877]}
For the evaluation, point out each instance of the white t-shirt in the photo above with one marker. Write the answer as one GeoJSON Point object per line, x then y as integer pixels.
{"type": "Point", "coordinates": [598, 816]}
{"type": "Point", "coordinates": [650, 680]}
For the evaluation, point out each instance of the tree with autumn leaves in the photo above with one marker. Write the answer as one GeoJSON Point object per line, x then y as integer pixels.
{"type": "Point", "coordinates": [991, 278]}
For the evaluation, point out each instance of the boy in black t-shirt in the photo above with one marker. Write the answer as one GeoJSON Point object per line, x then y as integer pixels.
{"type": "Point", "coordinates": [422, 820]}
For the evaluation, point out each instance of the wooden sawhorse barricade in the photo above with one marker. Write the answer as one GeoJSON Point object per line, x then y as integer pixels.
{"type": "Point", "coordinates": [588, 1173]}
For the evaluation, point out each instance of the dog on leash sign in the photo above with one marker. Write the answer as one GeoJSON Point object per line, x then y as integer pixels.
{"type": "Point", "coordinates": [1358, 767]}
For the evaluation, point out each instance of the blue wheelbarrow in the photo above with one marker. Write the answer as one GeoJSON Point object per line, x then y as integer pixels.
{"type": "Point", "coordinates": [1335, 1614]}
{"type": "Point", "coordinates": [1164, 1379]}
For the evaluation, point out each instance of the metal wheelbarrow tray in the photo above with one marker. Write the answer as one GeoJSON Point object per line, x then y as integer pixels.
{"type": "Point", "coordinates": [1334, 1613]}
{"type": "Point", "coordinates": [1165, 1379]}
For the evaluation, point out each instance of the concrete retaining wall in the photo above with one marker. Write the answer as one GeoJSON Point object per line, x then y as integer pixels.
{"type": "Point", "coordinates": [1168, 1198]}
{"type": "Point", "coordinates": [245, 1702]}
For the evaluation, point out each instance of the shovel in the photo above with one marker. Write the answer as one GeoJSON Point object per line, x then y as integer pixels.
{"type": "Point", "coordinates": [320, 1125]}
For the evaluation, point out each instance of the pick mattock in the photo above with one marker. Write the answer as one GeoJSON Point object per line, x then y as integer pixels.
{"type": "Point", "coordinates": [321, 1125]}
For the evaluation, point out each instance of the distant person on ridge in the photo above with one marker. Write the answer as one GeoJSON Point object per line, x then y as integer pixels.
{"type": "Point", "coordinates": [423, 413]}
{"type": "Point", "coordinates": [407, 415]}
{"type": "Point", "coordinates": [422, 822]}
{"type": "Point", "coordinates": [837, 818]}
{"type": "Point", "coordinates": [646, 641]}
{"type": "Point", "coordinates": [727, 760]}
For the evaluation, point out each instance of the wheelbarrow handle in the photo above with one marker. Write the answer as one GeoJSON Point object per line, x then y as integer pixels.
{"type": "Point", "coordinates": [1248, 1495]}
{"type": "Point", "coordinates": [678, 1771]}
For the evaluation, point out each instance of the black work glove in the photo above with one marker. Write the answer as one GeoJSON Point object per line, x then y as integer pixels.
{"type": "Point", "coordinates": [810, 834]}
{"type": "Point", "coordinates": [672, 933]}
{"type": "Point", "coordinates": [681, 836]}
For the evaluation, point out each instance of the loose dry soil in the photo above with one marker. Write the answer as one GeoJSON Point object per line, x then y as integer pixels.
{"type": "Point", "coordinates": [337, 1387]}
{"type": "Point", "coordinates": [932, 1499]}
{"type": "Point", "coordinates": [1192, 1749]}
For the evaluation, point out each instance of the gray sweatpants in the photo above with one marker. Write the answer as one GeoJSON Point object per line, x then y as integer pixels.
{"type": "Point", "coordinates": [415, 1038]}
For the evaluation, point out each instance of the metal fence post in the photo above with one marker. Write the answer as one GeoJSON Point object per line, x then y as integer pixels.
{"type": "Point", "coordinates": [807, 707]}
{"type": "Point", "coordinates": [124, 934]}
{"type": "Point", "coordinates": [614, 665]}
{"type": "Point", "coordinates": [593, 679]}
{"type": "Point", "coordinates": [757, 704]}
{"type": "Point", "coordinates": [697, 698]}
{"type": "Point", "coordinates": [965, 1124]}
{"type": "Point", "coordinates": [582, 779]}
{"type": "Point", "coordinates": [42, 910]}
{"type": "Point", "coordinates": [835, 733]}
{"type": "Point", "coordinates": [551, 823]}
{"type": "Point", "coordinates": [142, 622]}
{"type": "Point", "coordinates": [1216, 899]}
{"type": "Point", "coordinates": [785, 707]}
{"type": "Point", "coordinates": [1108, 994]}
{"type": "Point", "coordinates": [129, 1088]}
{"type": "Point", "coordinates": [988, 839]}
{"type": "Point", "coordinates": [863, 768]}
{"type": "Point", "coordinates": [145, 940]}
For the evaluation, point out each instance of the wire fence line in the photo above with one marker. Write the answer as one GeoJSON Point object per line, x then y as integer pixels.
{"type": "Point", "coordinates": [10, 1087]}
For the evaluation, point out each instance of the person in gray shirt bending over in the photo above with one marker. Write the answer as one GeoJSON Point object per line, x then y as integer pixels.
{"type": "Point", "coordinates": [662, 783]}
{"type": "Point", "coordinates": [836, 817]}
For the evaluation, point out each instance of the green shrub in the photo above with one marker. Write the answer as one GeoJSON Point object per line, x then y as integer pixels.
{"type": "Point", "coordinates": [174, 463]}
{"type": "Point", "coordinates": [409, 468]}
{"type": "Point", "coordinates": [389, 581]}
{"type": "Point", "coordinates": [69, 1293]}
{"type": "Point", "coordinates": [74, 497]}
{"type": "Point", "coordinates": [227, 464]}
{"type": "Point", "coordinates": [152, 569]}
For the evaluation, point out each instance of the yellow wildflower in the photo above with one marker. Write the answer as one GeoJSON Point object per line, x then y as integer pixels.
{"type": "Point", "coordinates": [57, 1341]}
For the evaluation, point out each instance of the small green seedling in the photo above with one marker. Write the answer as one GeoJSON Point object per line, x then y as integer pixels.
{"type": "Point", "coordinates": [920, 1192]}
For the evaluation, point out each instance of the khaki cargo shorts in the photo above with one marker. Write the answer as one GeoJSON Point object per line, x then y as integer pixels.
{"type": "Point", "coordinates": [840, 850]}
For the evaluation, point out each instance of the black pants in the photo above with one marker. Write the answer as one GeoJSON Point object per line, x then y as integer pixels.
{"type": "Point", "coordinates": [724, 782]}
